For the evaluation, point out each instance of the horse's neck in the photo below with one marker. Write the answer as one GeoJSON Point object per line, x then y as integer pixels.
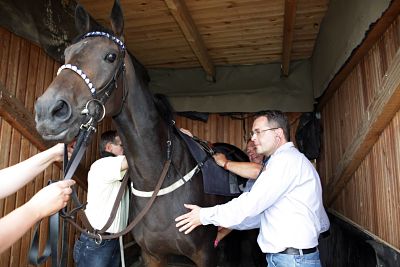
{"type": "Point", "coordinates": [142, 131]}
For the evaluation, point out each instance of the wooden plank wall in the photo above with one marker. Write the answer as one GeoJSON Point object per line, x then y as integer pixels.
{"type": "Point", "coordinates": [25, 71]}
{"type": "Point", "coordinates": [371, 198]}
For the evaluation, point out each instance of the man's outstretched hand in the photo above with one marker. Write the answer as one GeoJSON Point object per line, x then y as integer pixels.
{"type": "Point", "coordinates": [189, 221]}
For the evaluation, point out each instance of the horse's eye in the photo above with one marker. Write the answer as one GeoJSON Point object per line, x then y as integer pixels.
{"type": "Point", "coordinates": [110, 57]}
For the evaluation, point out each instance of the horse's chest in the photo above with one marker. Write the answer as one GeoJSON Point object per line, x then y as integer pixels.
{"type": "Point", "coordinates": [154, 239]}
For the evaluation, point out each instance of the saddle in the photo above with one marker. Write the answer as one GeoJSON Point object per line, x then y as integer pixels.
{"type": "Point", "coordinates": [216, 180]}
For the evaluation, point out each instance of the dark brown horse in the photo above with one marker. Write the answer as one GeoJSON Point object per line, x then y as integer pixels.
{"type": "Point", "coordinates": [96, 66]}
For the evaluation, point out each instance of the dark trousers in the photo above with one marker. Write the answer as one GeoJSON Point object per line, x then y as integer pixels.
{"type": "Point", "coordinates": [89, 254]}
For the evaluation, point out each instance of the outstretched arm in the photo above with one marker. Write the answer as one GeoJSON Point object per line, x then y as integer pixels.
{"type": "Point", "coordinates": [16, 176]}
{"type": "Point", "coordinates": [249, 170]}
{"type": "Point", "coordinates": [46, 202]}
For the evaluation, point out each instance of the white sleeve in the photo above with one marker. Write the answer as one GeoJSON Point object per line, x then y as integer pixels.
{"type": "Point", "coordinates": [271, 185]}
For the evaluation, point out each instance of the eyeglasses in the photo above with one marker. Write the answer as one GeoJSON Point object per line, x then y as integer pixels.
{"type": "Point", "coordinates": [258, 132]}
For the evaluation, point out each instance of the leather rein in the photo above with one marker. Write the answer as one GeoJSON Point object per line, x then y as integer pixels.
{"type": "Point", "coordinates": [99, 98]}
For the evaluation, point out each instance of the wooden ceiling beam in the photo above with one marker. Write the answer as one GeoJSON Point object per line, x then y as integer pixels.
{"type": "Point", "coordinates": [380, 113]}
{"type": "Point", "coordinates": [182, 16]}
{"type": "Point", "coordinates": [14, 112]}
{"type": "Point", "coordinates": [288, 32]}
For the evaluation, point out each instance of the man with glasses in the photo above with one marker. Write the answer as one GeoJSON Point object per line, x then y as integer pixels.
{"type": "Point", "coordinates": [285, 201]}
{"type": "Point", "coordinates": [104, 181]}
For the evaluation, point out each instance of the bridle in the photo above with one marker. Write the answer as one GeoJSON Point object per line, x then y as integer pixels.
{"type": "Point", "coordinates": [101, 95]}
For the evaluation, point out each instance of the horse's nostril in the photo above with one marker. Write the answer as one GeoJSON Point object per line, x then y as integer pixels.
{"type": "Point", "coordinates": [61, 110]}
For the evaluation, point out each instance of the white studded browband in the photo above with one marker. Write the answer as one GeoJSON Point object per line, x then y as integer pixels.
{"type": "Point", "coordinates": [107, 35]}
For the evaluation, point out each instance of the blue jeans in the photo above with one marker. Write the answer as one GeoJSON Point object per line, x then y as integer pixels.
{"type": "Point", "coordinates": [88, 254]}
{"type": "Point", "coordinates": [286, 260]}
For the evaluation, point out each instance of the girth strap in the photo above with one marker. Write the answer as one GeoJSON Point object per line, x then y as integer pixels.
{"type": "Point", "coordinates": [168, 189]}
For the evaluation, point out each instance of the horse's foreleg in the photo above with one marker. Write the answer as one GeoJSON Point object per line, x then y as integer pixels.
{"type": "Point", "coordinates": [205, 257]}
{"type": "Point", "coordinates": [151, 261]}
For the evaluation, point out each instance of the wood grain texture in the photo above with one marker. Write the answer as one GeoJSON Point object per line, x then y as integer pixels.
{"type": "Point", "coordinates": [27, 71]}
{"type": "Point", "coordinates": [231, 31]}
{"type": "Point", "coordinates": [360, 159]}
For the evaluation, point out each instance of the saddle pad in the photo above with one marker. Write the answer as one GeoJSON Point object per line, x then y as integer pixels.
{"type": "Point", "coordinates": [216, 180]}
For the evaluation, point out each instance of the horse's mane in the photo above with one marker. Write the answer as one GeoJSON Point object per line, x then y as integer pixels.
{"type": "Point", "coordinates": [164, 108]}
{"type": "Point", "coordinates": [140, 70]}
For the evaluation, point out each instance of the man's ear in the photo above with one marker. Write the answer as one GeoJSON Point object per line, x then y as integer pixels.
{"type": "Point", "coordinates": [108, 147]}
{"type": "Point", "coordinates": [279, 133]}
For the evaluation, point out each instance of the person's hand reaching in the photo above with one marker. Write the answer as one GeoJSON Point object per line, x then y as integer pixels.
{"type": "Point", "coordinates": [51, 198]}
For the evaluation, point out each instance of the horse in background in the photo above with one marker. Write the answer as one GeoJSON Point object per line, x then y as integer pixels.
{"type": "Point", "coordinates": [97, 68]}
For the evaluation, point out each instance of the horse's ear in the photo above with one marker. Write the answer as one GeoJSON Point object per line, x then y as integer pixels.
{"type": "Point", "coordinates": [117, 19]}
{"type": "Point", "coordinates": [82, 19]}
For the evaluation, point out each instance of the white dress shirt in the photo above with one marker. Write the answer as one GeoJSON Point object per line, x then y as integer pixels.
{"type": "Point", "coordinates": [104, 181]}
{"type": "Point", "coordinates": [285, 203]}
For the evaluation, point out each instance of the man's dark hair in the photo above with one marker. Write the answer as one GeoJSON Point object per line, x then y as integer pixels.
{"type": "Point", "coordinates": [106, 137]}
{"type": "Point", "coordinates": [277, 118]}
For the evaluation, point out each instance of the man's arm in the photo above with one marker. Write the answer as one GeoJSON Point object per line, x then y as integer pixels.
{"type": "Point", "coordinates": [189, 221]}
{"type": "Point", "coordinates": [247, 208]}
{"type": "Point", "coordinates": [124, 164]}
{"type": "Point", "coordinates": [107, 169]}
{"type": "Point", "coordinates": [249, 170]}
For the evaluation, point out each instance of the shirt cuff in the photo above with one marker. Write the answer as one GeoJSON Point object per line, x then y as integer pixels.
{"type": "Point", "coordinates": [206, 215]}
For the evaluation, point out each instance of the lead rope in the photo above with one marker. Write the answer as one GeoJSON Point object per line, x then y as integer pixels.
{"type": "Point", "coordinates": [51, 248]}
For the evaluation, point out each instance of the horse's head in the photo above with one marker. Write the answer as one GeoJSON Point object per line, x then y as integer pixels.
{"type": "Point", "coordinates": [91, 71]}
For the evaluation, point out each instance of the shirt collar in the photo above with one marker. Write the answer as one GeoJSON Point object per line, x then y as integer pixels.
{"type": "Point", "coordinates": [283, 147]}
{"type": "Point", "coordinates": [104, 154]}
